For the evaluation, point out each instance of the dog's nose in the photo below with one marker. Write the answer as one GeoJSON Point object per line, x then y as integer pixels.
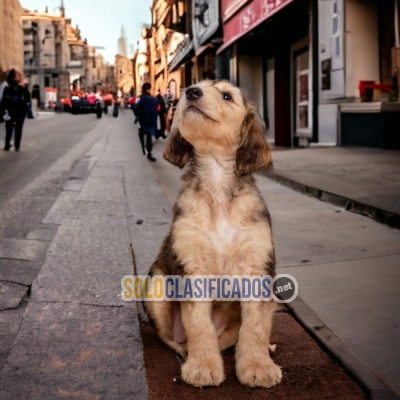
{"type": "Point", "coordinates": [193, 93]}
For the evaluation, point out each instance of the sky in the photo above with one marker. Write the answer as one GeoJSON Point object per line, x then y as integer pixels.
{"type": "Point", "coordinates": [100, 21]}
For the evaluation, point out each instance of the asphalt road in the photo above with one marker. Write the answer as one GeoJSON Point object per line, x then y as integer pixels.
{"type": "Point", "coordinates": [27, 192]}
{"type": "Point", "coordinates": [44, 141]}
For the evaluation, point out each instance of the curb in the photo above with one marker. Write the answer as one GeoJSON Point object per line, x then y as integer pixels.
{"type": "Point", "coordinates": [375, 213]}
{"type": "Point", "coordinates": [367, 379]}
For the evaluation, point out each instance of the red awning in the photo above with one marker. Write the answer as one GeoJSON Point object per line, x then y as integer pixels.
{"type": "Point", "coordinates": [248, 18]}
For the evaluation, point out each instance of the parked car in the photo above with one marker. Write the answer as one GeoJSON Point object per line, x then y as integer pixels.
{"type": "Point", "coordinates": [91, 104]}
{"type": "Point", "coordinates": [107, 100]}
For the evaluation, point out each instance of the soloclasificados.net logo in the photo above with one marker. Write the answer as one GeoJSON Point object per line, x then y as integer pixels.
{"type": "Point", "coordinates": [283, 288]}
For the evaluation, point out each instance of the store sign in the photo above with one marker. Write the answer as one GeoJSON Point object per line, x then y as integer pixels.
{"type": "Point", "coordinates": [183, 51]}
{"type": "Point", "coordinates": [205, 20]}
{"type": "Point", "coordinates": [250, 17]}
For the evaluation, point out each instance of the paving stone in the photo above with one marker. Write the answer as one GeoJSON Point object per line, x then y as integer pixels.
{"type": "Point", "coordinates": [76, 351]}
{"type": "Point", "coordinates": [41, 234]}
{"type": "Point", "coordinates": [102, 189]}
{"type": "Point", "coordinates": [11, 295]}
{"type": "Point", "coordinates": [10, 321]}
{"type": "Point", "coordinates": [20, 249]}
{"type": "Point", "coordinates": [19, 271]}
{"type": "Point", "coordinates": [73, 185]}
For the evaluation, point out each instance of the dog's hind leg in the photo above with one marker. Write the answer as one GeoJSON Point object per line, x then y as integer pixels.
{"type": "Point", "coordinates": [226, 320]}
{"type": "Point", "coordinates": [229, 337]}
{"type": "Point", "coordinates": [162, 315]}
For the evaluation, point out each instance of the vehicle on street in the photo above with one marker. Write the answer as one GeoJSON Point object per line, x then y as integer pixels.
{"type": "Point", "coordinates": [89, 104]}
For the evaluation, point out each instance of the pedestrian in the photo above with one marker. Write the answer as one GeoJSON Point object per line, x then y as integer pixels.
{"type": "Point", "coordinates": [147, 113]}
{"type": "Point", "coordinates": [2, 87]}
{"type": "Point", "coordinates": [16, 103]}
{"type": "Point", "coordinates": [162, 111]}
{"type": "Point", "coordinates": [168, 99]}
{"type": "Point", "coordinates": [117, 105]}
{"type": "Point", "coordinates": [36, 95]}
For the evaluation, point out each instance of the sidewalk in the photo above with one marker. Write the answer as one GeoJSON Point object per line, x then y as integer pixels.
{"type": "Point", "coordinates": [364, 180]}
{"type": "Point", "coordinates": [78, 339]}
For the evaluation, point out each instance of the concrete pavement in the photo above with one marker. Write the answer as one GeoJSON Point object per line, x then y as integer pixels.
{"type": "Point", "coordinates": [27, 191]}
{"type": "Point", "coordinates": [77, 338]}
{"type": "Point", "coordinates": [364, 180]}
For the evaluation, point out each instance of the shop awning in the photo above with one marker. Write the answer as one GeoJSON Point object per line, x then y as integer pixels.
{"type": "Point", "coordinates": [248, 18]}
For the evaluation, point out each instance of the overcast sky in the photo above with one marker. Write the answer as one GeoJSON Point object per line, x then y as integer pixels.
{"type": "Point", "coordinates": [100, 21]}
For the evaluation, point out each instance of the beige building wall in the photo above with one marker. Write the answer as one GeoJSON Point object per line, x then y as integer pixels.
{"type": "Point", "coordinates": [124, 73]}
{"type": "Point", "coordinates": [11, 37]}
{"type": "Point", "coordinates": [362, 44]}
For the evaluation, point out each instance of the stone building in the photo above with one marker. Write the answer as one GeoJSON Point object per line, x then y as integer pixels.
{"type": "Point", "coordinates": [159, 44]}
{"type": "Point", "coordinates": [11, 37]}
{"type": "Point", "coordinates": [104, 74]}
{"type": "Point", "coordinates": [124, 73]}
{"type": "Point", "coordinates": [46, 52]}
{"type": "Point", "coordinates": [78, 55]}
{"type": "Point", "coordinates": [141, 60]}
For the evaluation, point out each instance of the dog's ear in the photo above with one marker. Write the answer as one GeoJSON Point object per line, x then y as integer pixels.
{"type": "Point", "coordinates": [178, 150]}
{"type": "Point", "coordinates": [254, 152]}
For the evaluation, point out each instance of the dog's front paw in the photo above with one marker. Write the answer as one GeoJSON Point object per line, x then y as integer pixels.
{"type": "Point", "coordinates": [256, 373]}
{"type": "Point", "coordinates": [203, 372]}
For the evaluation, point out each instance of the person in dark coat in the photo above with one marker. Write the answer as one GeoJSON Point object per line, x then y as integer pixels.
{"type": "Point", "coordinates": [146, 110]}
{"type": "Point", "coordinates": [15, 103]}
{"type": "Point", "coordinates": [162, 112]}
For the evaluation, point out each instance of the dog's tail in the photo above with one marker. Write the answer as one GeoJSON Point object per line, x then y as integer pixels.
{"type": "Point", "coordinates": [140, 305]}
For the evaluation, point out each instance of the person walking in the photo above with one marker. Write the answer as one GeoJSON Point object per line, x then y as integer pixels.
{"type": "Point", "coordinates": [15, 104]}
{"type": "Point", "coordinates": [147, 113]}
{"type": "Point", "coordinates": [162, 111]}
{"type": "Point", "coordinates": [3, 85]}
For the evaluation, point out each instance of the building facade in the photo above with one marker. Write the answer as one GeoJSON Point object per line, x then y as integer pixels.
{"type": "Point", "coordinates": [77, 64]}
{"type": "Point", "coordinates": [11, 37]}
{"type": "Point", "coordinates": [124, 74]}
{"type": "Point", "coordinates": [46, 53]}
{"type": "Point", "coordinates": [321, 72]}
{"type": "Point", "coordinates": [306, 80]}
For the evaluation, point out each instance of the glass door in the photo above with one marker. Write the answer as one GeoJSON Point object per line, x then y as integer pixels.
{"type": "Point", "coordinates": [302, 106]}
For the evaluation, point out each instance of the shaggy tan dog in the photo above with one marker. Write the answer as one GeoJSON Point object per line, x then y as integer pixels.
{"type": "Point", "coordinates": [221, 226]}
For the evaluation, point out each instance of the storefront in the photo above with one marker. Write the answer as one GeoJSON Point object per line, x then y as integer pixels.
{"type": "Point", "coordinates": [359, 73]}
{"type": "Point", "coordinates": [267, 52]}
{"type": "Point", "coordinates": [207, 36]}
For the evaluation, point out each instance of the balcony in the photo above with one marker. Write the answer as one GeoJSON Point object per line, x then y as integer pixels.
{"type": "Point", "coordinates": [74, 64]}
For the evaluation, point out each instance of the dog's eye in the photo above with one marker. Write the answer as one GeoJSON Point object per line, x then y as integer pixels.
{"type": "Point", "coordinates": [226, 96]}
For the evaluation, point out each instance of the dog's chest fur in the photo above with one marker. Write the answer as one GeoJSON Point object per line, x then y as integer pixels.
{"type": "Point", "coordinates": [222, 229]}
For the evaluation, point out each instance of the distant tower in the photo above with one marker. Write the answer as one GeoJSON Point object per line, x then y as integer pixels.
{"type": "Point", "coordinates": [122, 43]}
{"type": "Point", "coordinates": [62, 9]}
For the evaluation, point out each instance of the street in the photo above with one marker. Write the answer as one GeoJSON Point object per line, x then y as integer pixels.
{"type": "Point", "coordinates": [80, 192]}
{"type": "Point", "coordinates": [27, 193]}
